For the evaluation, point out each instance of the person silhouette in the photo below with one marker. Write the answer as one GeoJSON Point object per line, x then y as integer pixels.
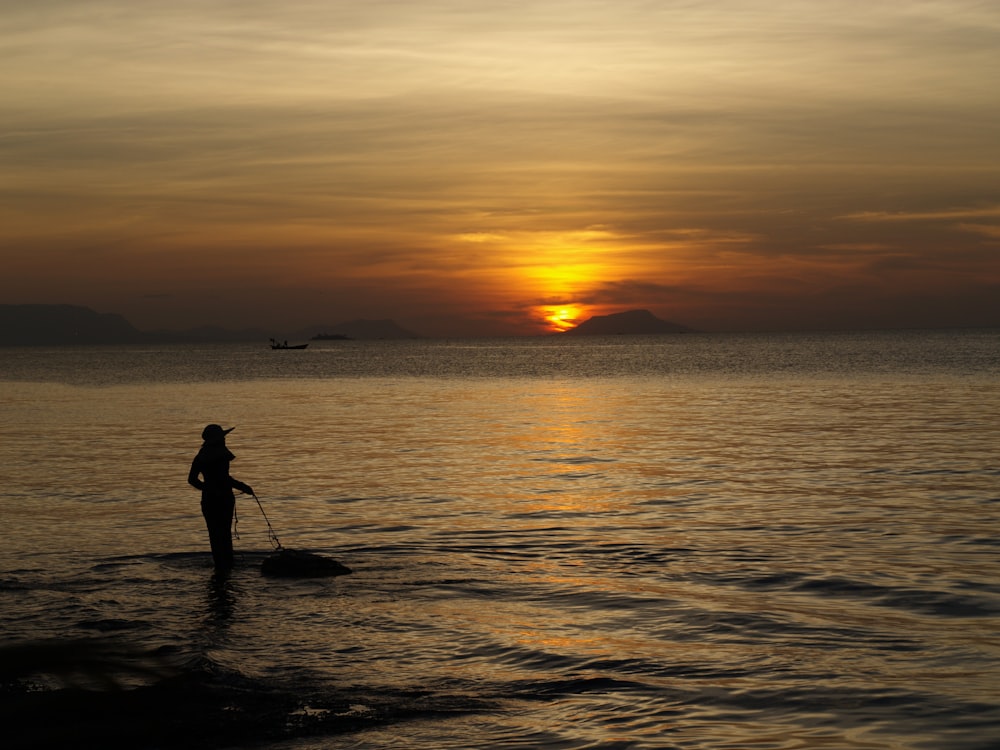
{"type": "Point", "coordinates": [218, 503]}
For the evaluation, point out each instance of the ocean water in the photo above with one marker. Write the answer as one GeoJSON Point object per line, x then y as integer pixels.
{"type": "Point", "coordinates": [697, 541]}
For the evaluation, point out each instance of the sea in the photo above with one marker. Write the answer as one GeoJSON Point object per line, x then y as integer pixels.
{"type": "Point", "coordinates": [720, 541]}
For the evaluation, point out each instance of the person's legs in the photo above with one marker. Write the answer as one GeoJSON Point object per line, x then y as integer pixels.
{"type": "Point", "coordinates": [218, 513]}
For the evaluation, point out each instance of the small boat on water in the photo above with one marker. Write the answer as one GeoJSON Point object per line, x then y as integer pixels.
{"type": "Point", "coordinates": [286, 345]}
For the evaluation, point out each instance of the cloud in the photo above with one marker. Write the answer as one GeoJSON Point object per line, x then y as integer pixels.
{"type": "Point", "coordinates": [859, 247]}
{"type": "Point", "coordinates": [992, 231]}
{"type": "Point", "coordinates": [480, 157]}
{"type": "Point", "coordinates": [951, 214]}
{"type": "Point", "coordinates": [630, 292]}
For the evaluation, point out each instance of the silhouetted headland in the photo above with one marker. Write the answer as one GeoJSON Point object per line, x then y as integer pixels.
{"type": "Point", "coordinates": [26, 325]}
{"type": "Point", "coordinates": [626, 323]}
{"type": "Point", "coordinates": [75, 325]}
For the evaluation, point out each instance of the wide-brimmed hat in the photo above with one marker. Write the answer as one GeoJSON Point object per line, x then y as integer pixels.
{"type": "Point", "coordinates": [213, 433]}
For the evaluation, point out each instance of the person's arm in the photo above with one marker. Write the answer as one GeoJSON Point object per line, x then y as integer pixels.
{"type": "Point", "coordinates": [244, 488]}
{"type": "Point", "coordinates": [193, 479]}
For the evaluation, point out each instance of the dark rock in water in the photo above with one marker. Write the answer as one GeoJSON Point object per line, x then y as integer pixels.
{"type": "Point", "coordinates": [290, 563]}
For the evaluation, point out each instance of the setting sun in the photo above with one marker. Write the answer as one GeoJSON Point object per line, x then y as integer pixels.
{"type": "Point", "coordinates": [562, 317]}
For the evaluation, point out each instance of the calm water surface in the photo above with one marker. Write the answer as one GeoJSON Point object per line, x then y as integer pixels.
{"type": "Point", "coordinates": [678, 542]}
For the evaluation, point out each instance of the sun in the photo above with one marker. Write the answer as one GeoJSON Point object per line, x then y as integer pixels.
{"type": "Point", "coordinates": [562, 317]}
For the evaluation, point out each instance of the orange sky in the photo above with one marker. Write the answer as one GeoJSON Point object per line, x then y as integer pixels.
{"type": "Point", "coordinates": [472, 169]}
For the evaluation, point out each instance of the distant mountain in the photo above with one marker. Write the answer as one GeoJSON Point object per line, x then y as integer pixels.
{"type": "Point", "coordinates": [630, 322]}
{"type": "Point", "coordinates": [60, 325]}
{"type": "Point", "coordinates": [360, 329]}
{"type": "Point", "coordinates": [25, 325]}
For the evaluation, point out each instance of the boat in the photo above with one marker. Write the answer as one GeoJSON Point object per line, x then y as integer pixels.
{"type": "Point", "coordinates": [286, 345]}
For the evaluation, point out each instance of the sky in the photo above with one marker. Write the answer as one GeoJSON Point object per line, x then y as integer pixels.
{"type": "Point", "coordinates": [503, 168]}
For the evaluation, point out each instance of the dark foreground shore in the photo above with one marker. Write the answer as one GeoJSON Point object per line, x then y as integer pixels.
{"type": "Point", "coordinates": [102, 694]}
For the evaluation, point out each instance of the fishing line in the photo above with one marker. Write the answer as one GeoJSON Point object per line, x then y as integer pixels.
{"type": "Point", "coordinates": [290, 563]}
{"type": "Point", "coordinates": [271, 536]}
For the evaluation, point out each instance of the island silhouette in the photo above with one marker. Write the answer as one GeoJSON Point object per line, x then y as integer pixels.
{"type": "Point", "coordinates": [75, 325]}
{"type": "Point", "coordinates": [630, 322]}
